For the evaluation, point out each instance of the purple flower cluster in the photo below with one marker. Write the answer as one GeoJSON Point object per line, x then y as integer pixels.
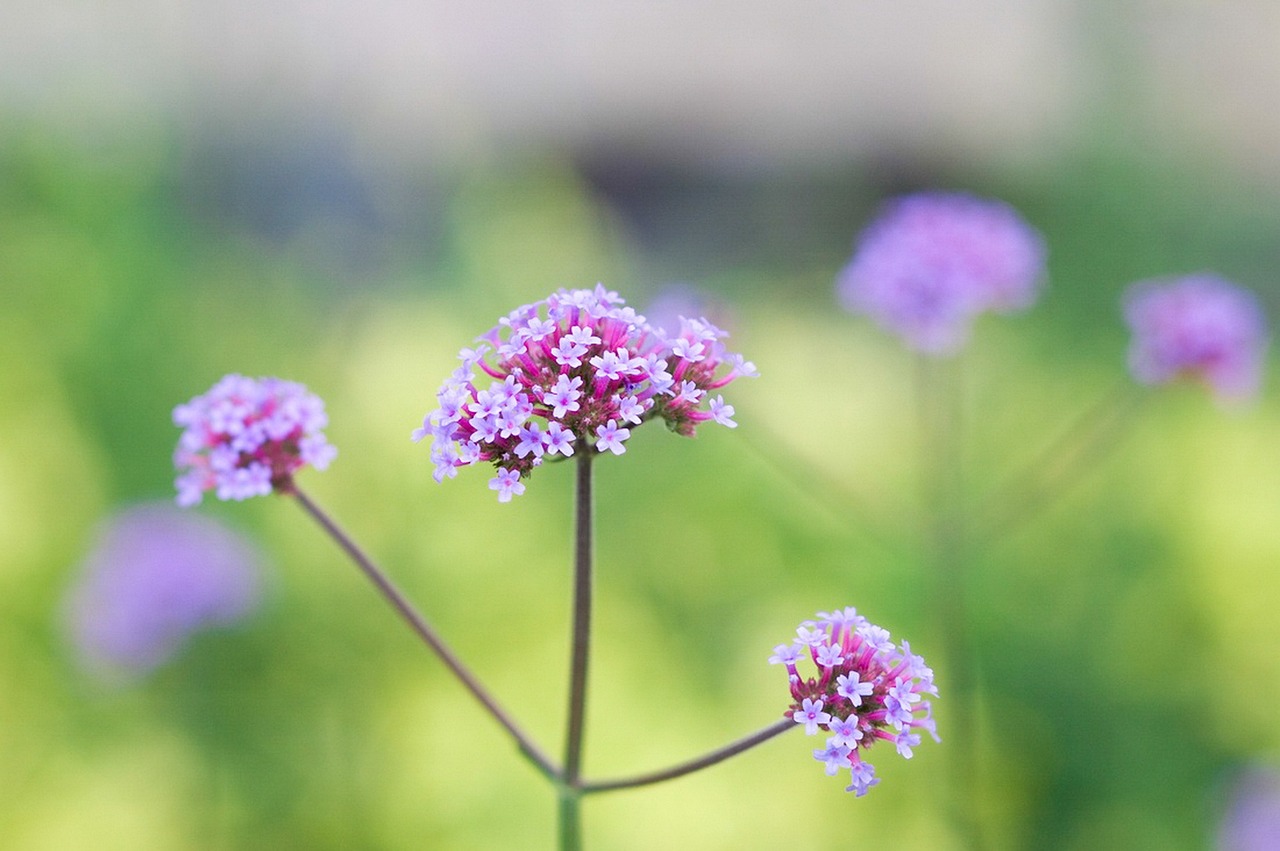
{"type": "Point", "coordinates": [156, 576]}
{"type": "Point", "coordinates": [867, 689]}
{"type": "Point", "coordinates": [1198, 326]}
{"type": "Point", "coordinates": [577, 368]}
{"type": "Point", "coordinates": [246, 437]}
{"type": "Point", "coordinates": [932, 262]}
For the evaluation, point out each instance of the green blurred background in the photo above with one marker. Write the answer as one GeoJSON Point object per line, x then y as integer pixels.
{"type": "Point", "coordinates": [346, 197]}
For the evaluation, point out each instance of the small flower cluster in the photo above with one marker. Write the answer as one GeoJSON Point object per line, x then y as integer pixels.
{"type": "Point", "coordinates": [158, 576]}
{"type": "Point", "coordinates": [867, 689]}
{"type": "Point", "coordinates": [932, 262]}
{"type": "Point", "coordinates": [1199, 326]}
{"type": "Point", "coordinates": [246, 437]}
{"type": "Point", "coordinates": [578, 367]}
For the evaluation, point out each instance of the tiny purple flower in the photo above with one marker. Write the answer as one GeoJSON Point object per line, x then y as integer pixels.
{"type": "Point", "coordinates": [1199, 326]}
{"type": "Point", "coordinates": [828, 656]}
{"type": "Point", "coordinates": [247, 437]}
{"type": "Point", "coordinates": [507, 483]}
{"type": "Point", "coordinates": [932, 262]}
{"type": "Point", "coordinates": [861, 691]}
{"type": "Point", "coordinates": [834, 756]}
{"type": "Point", "coordinates": [810, 714]}
{"type": "Point", "coordinates": [864, 777]}
{"type": "Point", "coordinates": [609, 436]}
{"type": "Point", "coordinates": [156, 577]}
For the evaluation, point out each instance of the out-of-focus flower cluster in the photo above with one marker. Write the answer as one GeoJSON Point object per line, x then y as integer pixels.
{"type": "Point", "coordinates": [932, 262]}
{"type": "Point", "coordinates": [1198, 326]}
{"type": "Point", "coordinates": [866, 689]}
{"type": "Point", "coordinates": [578, 367]}
{"type": "Point", "coordinates": [246, 437]}
{"type": "Point", "coordinates": [156, 576]}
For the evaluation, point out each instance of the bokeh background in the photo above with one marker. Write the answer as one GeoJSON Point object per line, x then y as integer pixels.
{"type": "Point", "coordinates": [345, 194]}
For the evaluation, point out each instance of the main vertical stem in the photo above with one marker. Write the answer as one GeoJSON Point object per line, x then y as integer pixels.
{"type": "Point", "coordinates": [571, 792]}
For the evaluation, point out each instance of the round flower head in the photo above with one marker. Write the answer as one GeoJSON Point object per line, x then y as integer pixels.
{"type": "Point", "coordinates": [157, 576]}
{"type": "Point", "coordinates": [931, 262]}
{"type": "Point", "coordinates": [866, 689]}
{"type": "Point", "coordinates": [247, 437]}
{"type": "Point", "coordinates": [576, 371]}
{"type": "Point", "coordinates": [1199, 326]}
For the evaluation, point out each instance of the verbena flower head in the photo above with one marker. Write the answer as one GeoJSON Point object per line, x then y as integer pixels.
{"type": "Point", "coordinates": [1199, 326]}
{"type": "Point", "coordinates": [157, 576]}
{"type": "Point", "coordinates": [247, 437]}
{"type": "Point", "coordinates": [863, 689]}
{"type": "Point", "coordinates": [576, 371]}
{"type": "Point", "coordinates": [932, 262]}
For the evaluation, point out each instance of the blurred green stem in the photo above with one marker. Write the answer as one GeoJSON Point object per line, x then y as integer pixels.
{"type": "Point", "coordinates": [571, 793]}
{"type": "Point", "coordinates": [940, 398]}
{"type": "Point", "coordinates": [424, 631]}
{"type": "Point", "coordinates": [1075, 451]}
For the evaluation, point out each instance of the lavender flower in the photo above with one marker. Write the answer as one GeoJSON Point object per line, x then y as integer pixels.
{"type": "Point", "coordinates": [866, 689]}
{"type": "Point", "coordinates": [575, 369]}
{"type": "Point", "coordinates": [932, 262]}
{"type": "Point", "coordinates": [156, 576]}
{"type": "Point", "coordinates": [1252, 820]}
{"type": "Point", "coordinates": [1199, 326]}
{"type": "Point", "coordinates": [247, 437]}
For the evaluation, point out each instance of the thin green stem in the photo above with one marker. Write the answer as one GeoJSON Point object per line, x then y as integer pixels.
{"type": "Point", "coordinates": [1064, 461]}
{"type": "Point", "coordinates": [940, 397]}
{"type": "Point", "coordinates": [419, 625]}
{"type": "Point", "coordinates": [570, 809]}
{"type": "Point", "coordinates": [692, 765]}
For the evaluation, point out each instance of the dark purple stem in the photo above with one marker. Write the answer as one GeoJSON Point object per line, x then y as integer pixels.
{"type": "Point", "coordinates": [424, 631]}
{"type": "Point", "coordinates": [570, 816]}
{"type": "Point", "coordinates": [705, 761]}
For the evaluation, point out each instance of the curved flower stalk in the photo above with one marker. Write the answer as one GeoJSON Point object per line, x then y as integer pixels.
{"type": "Point", "coordinates": [932, 262]}
{"type": "Point", "coordinates": [575, 369]}
{"type": "Point", "coordinates": [247, 437]}
{"type": "Point", "coordinates": [1201, 327]}
{"type": "Point", "coordinates": [867, 689]}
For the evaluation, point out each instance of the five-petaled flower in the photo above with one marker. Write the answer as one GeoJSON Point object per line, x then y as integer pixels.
{"type": "Point", "coordinates": [577, 368]}
{"type": "Point", "coordinates": [247, 437]}
{"type": "Point", "coordinates": [932, 262]}
{"type": "Point", "coordinates": [866, 689]}
{"type": "Point", "coordinates": [1198, 326]}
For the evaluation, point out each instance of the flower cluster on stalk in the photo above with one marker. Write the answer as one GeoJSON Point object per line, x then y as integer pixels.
{"type": "Point", "coordinates": [932, 262]}
{"type": "Point", "coordinates": [1199, 326]}
{"type": "Point", "coordinates": [866, 689]}
{"type": "Point", "coordinates": [247, 437]}
{"type": "Point", "coordinates": [578, 368]}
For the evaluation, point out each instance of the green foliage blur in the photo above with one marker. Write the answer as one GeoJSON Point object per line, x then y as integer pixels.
{"type": "Point", "coordinates": [1125, 634]}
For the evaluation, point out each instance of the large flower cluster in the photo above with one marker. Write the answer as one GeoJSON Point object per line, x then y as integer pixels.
{"type": "Point", "coordinates": [577, 368]}
{"type": "Point", "coordinates": [866, 689]}
{"type": "Point", "coordinates": [932, 262]}
{"type": "Point", "coordinates": [246, 437]}
{"type": "Point", "coordinates": [1200, 326]}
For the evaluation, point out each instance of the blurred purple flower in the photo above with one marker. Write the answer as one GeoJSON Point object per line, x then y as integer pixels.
{"type": "Point", "coordinates": [1252, 819]}
{"type": "Point", "coordinates": [156, 576]}
{"type": "Point", "coordinates": [932, 262]}
{"type": "Point", "coordinates": [1197, 326]}
{"type": "Point", "coordinates": [675, 302]}
{"type": "Point", "coordinates": [247, 437]}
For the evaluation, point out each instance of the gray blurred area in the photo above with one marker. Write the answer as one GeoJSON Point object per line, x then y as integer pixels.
{"type": "Point", "coordinates": [733, 85]}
